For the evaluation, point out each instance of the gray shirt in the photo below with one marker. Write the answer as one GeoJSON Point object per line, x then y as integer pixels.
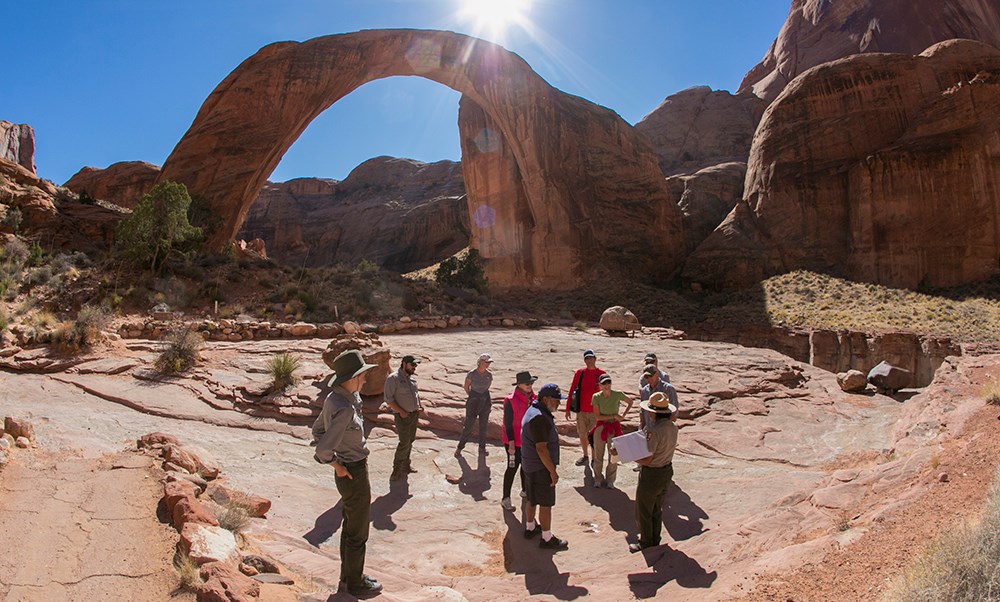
{"type": "Point", "coordinates": [402, 388]}
{"type": "Point", "coordinates": [661, 386]}
{"type": "Point", "coordinates": [663, 376]}
{"type": "Point", "coordinates": [661, 441]}
{"type": "Point", "coordinates": [480, 383]}
{"type": "Point", "coordinates": [339, 431]}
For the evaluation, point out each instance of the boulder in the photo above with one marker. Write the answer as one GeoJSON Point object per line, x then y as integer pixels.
{"type": "Point", "coordinates": [371, 349]}
{"type": "Point", "coordinates": [156, 441]}
{"type": "Point", "coordinates": [207, 543]}
{"type": "Point", "coordinates": [189, 510]}
{"type": "Point", "coordinates": [18, 428]}
{"type": "Point", "coordinates": [176, 490]}
{"type": "Point", "coordinates": [224, 583]}
{"type": "Point", "coordinates": [123, 183]}
{"type": "Point", "coordinates": [889, 378]}
{"type": "Point", "coordinates": [619, 319]}
{"type": "Point", "coordinates": [852, 381]}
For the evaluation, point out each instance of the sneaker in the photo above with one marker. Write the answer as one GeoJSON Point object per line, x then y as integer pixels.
{"type": "Point", "coordinates": [597, 484]}
{"type": "Point", "coordinates": [529, 533]}
{"type": "Point", "coordinates": [634, 547]}
{"type": "Point", "coordinates": [582, 461]}
{"type": "Point", "coordinates": [636, 468]}
{"type": "Point", "coordinates": [368, 588]}
{"type": "Point", "coordinates": [608, 485]}
{"type": "Point", "coordinates": [554, 544]}
{"type": "Point", "coordinates": [506, 504]}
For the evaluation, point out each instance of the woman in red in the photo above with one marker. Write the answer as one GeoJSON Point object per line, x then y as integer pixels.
{"type": "Point", "coordinates": [514, 407]}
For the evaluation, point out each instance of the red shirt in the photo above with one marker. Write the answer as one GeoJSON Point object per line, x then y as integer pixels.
{"type": "Point", "coordinates": [588, 387]}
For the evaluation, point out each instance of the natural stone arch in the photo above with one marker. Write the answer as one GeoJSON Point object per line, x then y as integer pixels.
{"type": "Point", "coordinates": [584, 189]}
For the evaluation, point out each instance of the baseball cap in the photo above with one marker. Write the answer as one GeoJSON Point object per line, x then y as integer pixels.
{"type": "Point", "coordinates": [589, 353]}
{"type": "Point", "coordinates": [605, 378]}
{"type": "Point", "coordinates": [486, 358]}
{"type": "Point", "coordinates": [550, 390]}
{"type": "Point", "coordinates": [649, 370]}
{"type": "Point", "coordinates": [650, 357]}
{"type": "Point", "coordinates": [409, 359]}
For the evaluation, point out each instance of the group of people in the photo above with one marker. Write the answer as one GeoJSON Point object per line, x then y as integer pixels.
{"type": "Point", "coordinates": [529, 436]}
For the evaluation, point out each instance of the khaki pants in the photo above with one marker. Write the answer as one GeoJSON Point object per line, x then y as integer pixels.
{"type": "Point", "coordinates": [599, 448]}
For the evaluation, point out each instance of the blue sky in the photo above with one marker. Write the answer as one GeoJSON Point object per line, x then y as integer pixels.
{"type": "Point", "coordinates": [103, 81]}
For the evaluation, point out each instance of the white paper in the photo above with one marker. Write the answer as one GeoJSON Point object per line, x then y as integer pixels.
{"type": "Point", "coordinates": [631, 447]}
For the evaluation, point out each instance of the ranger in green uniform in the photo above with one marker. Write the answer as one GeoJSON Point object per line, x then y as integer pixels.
{"type": "Point", "coordinates": [657, 470]}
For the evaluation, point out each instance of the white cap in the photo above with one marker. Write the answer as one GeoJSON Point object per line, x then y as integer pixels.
{"type": "Point", "coordinates": [486, 358]}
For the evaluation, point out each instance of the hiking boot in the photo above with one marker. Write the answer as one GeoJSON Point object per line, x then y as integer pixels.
{"type": "Point", "coordinates": [507, 505]}
{"type": "Point", "coordinates": [554, 543]}
{"type": "Point", "coordinates": [582, 461]}
{"type": "Point", "coordinates": [529, 533]}
{"type": "Point", "coordinates": [368, 588]}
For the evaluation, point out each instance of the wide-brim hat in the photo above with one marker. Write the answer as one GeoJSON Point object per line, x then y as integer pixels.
{"type": "Point", "coordinates": [658, 403]}
{"type": "Point", "coordinates": [349, 364]}
{"type": "Point", "coordinates": [524, 378]}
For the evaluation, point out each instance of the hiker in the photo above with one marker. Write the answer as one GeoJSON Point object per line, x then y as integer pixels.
{"type": "Point", "coordinates": [514, 407]}
{"type": "Point", "coordinates": [403, 399]}
{"type": "Point", "coordinates": [581, 392]}
{"type": "Point", "coordinates": [606, 404]}
{"type": "Point", "coordinates": [478, 404]}
{"type": "Point", "coordinates": [540, 455]}
{"type": "Point", "coordinates": [339, 436]}
{"type": "Point", "coordinates": [656, 469]}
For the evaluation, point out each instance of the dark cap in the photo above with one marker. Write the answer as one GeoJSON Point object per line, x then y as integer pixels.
{"type": "Point", "coordinates": [605, 378]}
{"type": "Point", "coordinates": [550, 390]}
{"type": "Point", "coordinates": [409, 359]}
{"type": "Point", "coordinates": [524, 378]}
{"type": "Point", "coordinates": [589, 353]}
{"type": "Point", "coordinates": [649, 370]}
{"type": "Point", "coordinates": [650, 357]}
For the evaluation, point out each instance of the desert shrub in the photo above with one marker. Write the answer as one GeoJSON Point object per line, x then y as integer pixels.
{"type": "Point", "coordinates": [180, 352]}
{"type": "Point", "coordinates": [36, 254]}
{"type": "Point", "coordinates": [83, 332]}
{"type": "Point", "coordinates": [464, 270]}
{"type": "Point", "coordinates": [991, 392]}
{"type": "Point", "coordinates": [13, 219]}
{"type": "Point", "coordinates": [188, 572]}
{"type": "Point", "coordinates": [158, 226]}
{"type": "Point", "coordinates": [282, 369]}
{"type": "Point", "coordinates": [3, 318]}
{"type": "Point", "coordinates": [15, 254]}
{"type": "Point", "coordinates": [961, 565]}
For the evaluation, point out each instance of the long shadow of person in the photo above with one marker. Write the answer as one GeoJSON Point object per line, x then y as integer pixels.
{"type": "Point", "coordinates": [669, 565]}
{"type": "Point", "coordinates": [474, 483]}
{"type": "Point", "coordinates": [541, 576]}
{"type": "Point", "coordinates": [681, 516]}
{"type": "Point", "coordinates": [384, 506]}
{"type": "Point", "coordinates": [326, 525]}
{"type": "Point", "coordinates": [618, 505]}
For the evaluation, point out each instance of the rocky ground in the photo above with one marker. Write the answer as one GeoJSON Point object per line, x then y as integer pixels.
{"type": "Point", "coordinates": [782, 480]}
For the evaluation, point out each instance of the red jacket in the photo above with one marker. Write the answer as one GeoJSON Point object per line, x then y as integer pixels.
{"type": "Point", "coordinates": [514, 407]}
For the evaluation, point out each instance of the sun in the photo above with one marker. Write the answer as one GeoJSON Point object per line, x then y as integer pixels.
{"type": "Point", "coordinates": [493, 17]}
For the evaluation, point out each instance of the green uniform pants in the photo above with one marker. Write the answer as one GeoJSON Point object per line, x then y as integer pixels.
{"type": "Point", "coordinates": [356, 495]}
{"type": "Point", "coordinates": [406, 428]}
{"type": "Point", "coordinates": [649, 493]}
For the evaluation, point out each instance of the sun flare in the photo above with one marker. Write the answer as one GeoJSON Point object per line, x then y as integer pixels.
{"type": "Point", "coordinates": [494, 16]}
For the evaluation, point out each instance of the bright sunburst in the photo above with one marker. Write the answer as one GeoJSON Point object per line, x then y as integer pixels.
{"type": "Point", "coordinates": [493, 17]}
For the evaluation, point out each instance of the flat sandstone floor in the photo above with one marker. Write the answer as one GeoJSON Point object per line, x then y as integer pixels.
{"type": "Point", "coordinates": [775, 464]}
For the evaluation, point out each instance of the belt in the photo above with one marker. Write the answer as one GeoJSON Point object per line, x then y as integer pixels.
{"type": "Point", "coordinates": [667, 465]}
{"type": "Point", "coordinates": [360, 462]}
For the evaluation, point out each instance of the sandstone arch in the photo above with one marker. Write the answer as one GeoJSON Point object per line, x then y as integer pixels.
{"type": "Point", "coordinates": [578, 187]}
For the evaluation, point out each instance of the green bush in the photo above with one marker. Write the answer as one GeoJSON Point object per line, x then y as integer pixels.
{"type": "Point", "coordinates": [464, 270]}
{"type": "Point", "coordinates": [180, 352]}
{"type": "Point", "coordinates": [13, 218]}
{"type": "Point", "coordinates": [282, 369]}
{"type": "Point", "coordinates": [158, 226]}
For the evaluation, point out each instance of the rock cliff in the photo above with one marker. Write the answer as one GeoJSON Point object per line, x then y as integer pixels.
{"type": "Point", "coordinates": [882, 168]}
{"type": "Point", "coordinates": [819, 31]}
{"type": "Point", "coordinates": [122, 183]}
{"type": "Point", "coordinates": [17, 144]}
{"type": "Point", "coordinates": [402, 214]}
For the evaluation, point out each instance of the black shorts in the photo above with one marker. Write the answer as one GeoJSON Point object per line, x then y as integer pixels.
{"type": "Point", "coordinates": [540, 489]}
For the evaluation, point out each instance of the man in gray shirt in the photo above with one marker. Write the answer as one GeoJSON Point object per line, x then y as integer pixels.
{"type": "Point", "coordinates": [403, 399]}
{"type": "Point", "coordinates": [339, 436]}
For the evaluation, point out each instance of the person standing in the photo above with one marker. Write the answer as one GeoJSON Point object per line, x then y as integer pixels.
{"type": "Point", "coordinates": [478, 405]}
{"type": "Point", "coordinates": [540, 454]}
{"type": "Point", "coordinates": [656, 470]}
{"type": "Point", "coordinates": [652, 359]}
{"type": "Point", "coordinates": [606, 404]}
{"type": "Point", "coordinates": [339, 436]}
{"type": "Point", "coordinates": [514, 407]}
{"type": "Point", "coordinates": [403, 399]}
{"type": "Point", "coordinates": [585, 379]}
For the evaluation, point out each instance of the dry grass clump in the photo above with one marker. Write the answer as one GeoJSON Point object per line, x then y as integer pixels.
{"type": "Point", "coordinates": [962, 565]}
{"type": "Point", "coordinates": [282, 369]}
{"type": "Point", "coordinates": [235, 514]}
{"type": "Point", "coordinates": [188, 572]}
{"type": "Point", "coordinates": [180, 352]}
{"type": "Point", "coordinates": [991, 392]}
{"type": "Point", "coordinates": [83, 332]}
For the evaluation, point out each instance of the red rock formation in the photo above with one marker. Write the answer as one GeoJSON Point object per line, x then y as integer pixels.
{"type": "Point", "coordinates": [588, 178]}
{"type": "Point", "coordinates": [122, 183]}
{"type": "Point", "coordinates": [699, 127]}
{"type": "Point", "coordinates": [402, 214]}
{"type": "Point", "coordinates": [819, 31]}
{"type": "Point", "coordinates": [17, 144]}
{"type": "Point", "coordinates": [706, 198]}
{"type": "Point", "coordinates": [880, 167]}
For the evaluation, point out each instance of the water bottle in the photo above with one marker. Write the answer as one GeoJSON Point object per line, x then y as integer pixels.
{"type": "Point", "coordinates": [510, 459]}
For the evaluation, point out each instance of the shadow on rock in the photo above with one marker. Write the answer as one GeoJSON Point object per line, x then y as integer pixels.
{"type": "Point", "coordinates": [326, 525]}
{"type": "Point", "coordinates": [681, 515]}
{"type": "Point", "coordinates": [669, 565]}
{"type": "Point", "coordinates": [617, 503]}
{"type": "Point", "coordinates": [541, 576]}
{"type": "Point", "coordinates": [474, 483]}
{"type": "Point", "coordinates": [384, 507]}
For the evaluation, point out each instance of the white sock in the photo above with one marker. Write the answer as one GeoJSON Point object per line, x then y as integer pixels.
{"type": "Point", "coordinates": [546, 535]}
{"type": "Point", "coordinates": [529, 526]}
